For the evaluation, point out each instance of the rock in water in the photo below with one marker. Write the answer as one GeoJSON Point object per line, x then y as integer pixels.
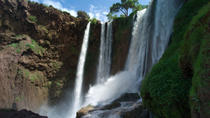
{"type": "Point", "coordinates": [84, 111]}
{"type": "Point", "coordinates": [127, 106]}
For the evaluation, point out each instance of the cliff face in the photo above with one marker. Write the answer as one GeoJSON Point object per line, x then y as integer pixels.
{"type": "Point", "coordinates": [178, 86]}
{"type": "Point", "coordinates": [39, 49]}
{"type": "Point", "coordinates": [122, 31]}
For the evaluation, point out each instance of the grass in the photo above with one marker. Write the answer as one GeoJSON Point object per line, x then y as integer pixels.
{"type": "Point", "coordinates": [34, 46]}
{"type": "Point", "coordinates": [31, 44]}
{"type": "Point", "coordinates": [17, 46]}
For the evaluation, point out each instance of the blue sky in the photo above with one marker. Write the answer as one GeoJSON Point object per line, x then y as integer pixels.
{"type": "Point", "coordinates": [95, 8]}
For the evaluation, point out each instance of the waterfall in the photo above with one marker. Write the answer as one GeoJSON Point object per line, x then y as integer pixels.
{"type": "Point", "coordinates": [79, 76]}
{"type": "Point", "coordinates": [150, 37]}
{"type": "Point", "coordinates": [111, 89]}
{"type": "Point", "coordinates": [164, 19]}
{"type": "Point", "coordinates": [105, 53]}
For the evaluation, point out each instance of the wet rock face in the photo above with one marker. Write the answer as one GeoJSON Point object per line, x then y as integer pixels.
{"type": "Point", "coordinates": [122, 30]}
{"type": "Point", "coordinates": [19, 114]}
{"type": "Point", "coordinates": [127, 106]}
{"type": "Point", "coordinates": [128, 97]}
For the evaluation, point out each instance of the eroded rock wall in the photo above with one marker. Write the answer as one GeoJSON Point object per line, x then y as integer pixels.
{"type": "Point", "coordinates": [39, 49]}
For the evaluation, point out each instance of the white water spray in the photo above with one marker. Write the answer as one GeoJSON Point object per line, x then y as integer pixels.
{"type": "Point", "coordinates": [105, 53]}
{"type": "Point", "coordinates": [122, 82]}
{"type": "Point", "coordinates": [79, 76]}
{"type": "Point", "coordinates": [149, 40]}
{"type": "Point", "coordinates": [164, 19]}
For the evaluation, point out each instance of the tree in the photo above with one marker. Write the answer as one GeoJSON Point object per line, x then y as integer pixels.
{"type": "Point", "coordinates": [140, 7]}
{"type": "Point", "coordinates": [123, 7]}
{"type": "Point", "coordinates": [82, 15]}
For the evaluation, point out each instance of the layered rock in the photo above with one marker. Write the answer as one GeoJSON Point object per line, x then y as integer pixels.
{"type": "Point", "coordinates": [122, 30]}
{"type": "Point", "coordinates": [39, 49]}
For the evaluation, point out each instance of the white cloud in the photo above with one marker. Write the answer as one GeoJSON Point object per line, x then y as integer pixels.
{"type": "Point", "coordinates": [35, 0]}
{"type": "Point", "coordinates": [58, 5]}
{"type": "Point", "coordinates": [95, 12]}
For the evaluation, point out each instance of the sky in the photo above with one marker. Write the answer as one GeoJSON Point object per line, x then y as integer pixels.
{"type": "Point", "coordinates": [95, 8]}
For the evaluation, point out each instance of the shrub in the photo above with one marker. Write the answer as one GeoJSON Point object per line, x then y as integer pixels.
{"type": "Point", "coordinates": [93, 21]}
{"type": "Point", "coordinates": [82, 15]}
{"type": "Point", "coordinates": [33, 18]}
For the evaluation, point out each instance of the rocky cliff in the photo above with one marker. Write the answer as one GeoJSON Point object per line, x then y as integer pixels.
{"type": "Point", "coordinates": [178, 86]}
{"type": "Point", "coordinates": [39, 51]}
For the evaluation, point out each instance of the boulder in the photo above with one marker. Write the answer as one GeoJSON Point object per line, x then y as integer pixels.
{"type": "Point", "coordinates": [128, 97]}
{"type": "Point", "coordinates": [126, 106]}
{"type": "Point", "coordinates": [19, 114]}
{"type": "Point", "coordinates": [84, 111]}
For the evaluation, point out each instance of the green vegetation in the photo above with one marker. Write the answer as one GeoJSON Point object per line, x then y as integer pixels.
{"type": "Point", "coordinates": [43, 28]}
{"type": "Point", "coordinates": [14, 45]}
{"type": "Point", "coordinates": [32, 76]}
{"type": "Point", "coordinates": [24, 45]}
{"type": "Point", "coordinates": [49, 83]}
{"type": "Point", "coordinates": [19, 36]}
{"type": "Point", "coordinates": [199, 35]}
{"type": "Point", "coordinates": [176, 83]}
{"type": "Point", "coordinates": [19, 98]}
{"type": "Point", "coordinates": [17, 46]}
{"type": "Point", "coordinates": [124, 6]}
{"type": "Point", "coordinates": [82, 15]}
{"type": "Point", "coordinates": [56, 65]}
{"type": "Point", "coordinates": [93, 20]}
{"type": "Point", "coordinates": [58, 84]}
{"type": "Point", "coordinates": [34, 46]}
{"type": "Point", "coordinates": [123, 25]}
{"type": "Point", "coordinates": [33, 18]}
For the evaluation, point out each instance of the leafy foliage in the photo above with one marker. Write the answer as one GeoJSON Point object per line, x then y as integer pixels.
{"type": "Point", "coordinates": [82, 15]}
{"type": "Point", "coordinates": [93, 20]}
{"type": "Point", "coordinates": [33, 18]}
{"type": "Point", "coordinates": [124, 6]}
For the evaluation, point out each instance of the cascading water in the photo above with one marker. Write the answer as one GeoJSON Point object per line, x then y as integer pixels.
{"type": "Point", "coordinates": [151, 34]}
{"type": "Point", "coordinates": [105, 53]}
{"type": "Point", "coordinates": [164, 18]}
{"type": "Point", "coordinates": [106, 92]}
{"type": "Point", "coordinates": [79, 76]}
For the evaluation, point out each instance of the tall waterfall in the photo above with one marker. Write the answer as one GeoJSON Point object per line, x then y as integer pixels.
{"type": "Point", "coordinates": [105, 53]}
{"type": "Point", "coordinates": [150, 36]}
{"type": "Point", "coordinates": [79, 76]}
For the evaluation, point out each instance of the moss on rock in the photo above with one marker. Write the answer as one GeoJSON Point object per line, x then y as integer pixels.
{"type": "Point", "coordinates": [180, 81]}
